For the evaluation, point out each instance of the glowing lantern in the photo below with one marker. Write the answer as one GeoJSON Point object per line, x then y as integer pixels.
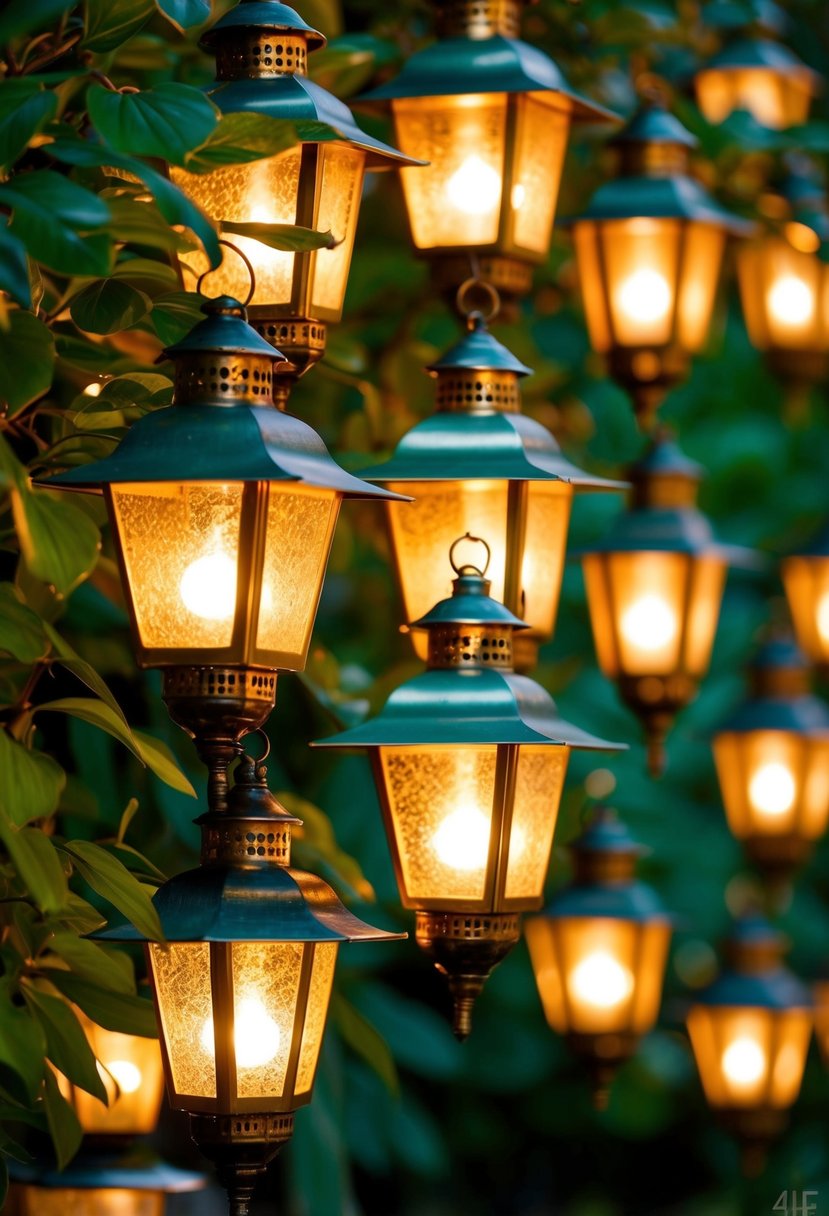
{"type": "Point", "coordinates": [261, 49]}
{"type": "Point", "coordinates": [491, 115]}
{"type": "Point", "coordinates": [478, 465]}
{"type": "Point", "coordinates": [654, 586]}
{"type": "Point", "coordinates": [750, 1033]}
{"type": "Point", "coordinates": [820, 994]}
{"type": "Point", "coordinates": [806, 579]}
{"type": "Point", "coordinates": [599, 951]}
{"type": "Point", "coordinates": [772, 760]}
{"type": "Point", "coordinates": [649, 248]}
{"type": "Point", "coordinates": [130, 1068]}
{"type": "Point", "coordinates": [242, 984]}
{"type": "Point", "coordinates": [469, 761]}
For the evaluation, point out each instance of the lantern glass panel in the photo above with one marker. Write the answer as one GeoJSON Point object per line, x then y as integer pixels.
{"type": "Point", "coordinates": [775, 100]}
{"type": "Point", "coordinates": [92, 1201]}
{"type": "Point", "coordinates": [542, 127]}
{"type": "Point", "coordinates": [539, 782]}
{"type": "Point", "coordinates": [807, 588]}
{"type": "Point", "coordinates": [749, 1057]}
{"type": "Point", "coordinates": [339, 204]}
{"type": "Point", "coordinates": [319, 994]}
{"type": "Point", "coordinates": [265, 990]}
{"type": "Point", "coordinates": [702, 254]}
{"type": "Point", "coordinates": [641, 258]}
{"type": "Point", "coordinates": [821, 997]}
{"type": "Point", "coordinates": [456, 199]}
{"type": "Point", "coordinates": [440, 800]}
{"type": "Point", "coordinates": [785, 296]}
{"type": "Point", "coordinates": [181, 975]}
{"type": "Point", "coordinates": [130, 1068]}
{"type": "Point", "coordinates": [593, 285]}
{"type": "Point", "coordinates": [773, 782]}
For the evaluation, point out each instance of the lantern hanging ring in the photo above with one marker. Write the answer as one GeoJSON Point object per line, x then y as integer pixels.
{"type": "Point", "coordinates": [257, 760]}
{"type": "Point", "coordinates": [248, 266]}
{"type": "Point", "coordinates": [477, 300]}
{"type": "Point", "coordinates": [475, 540]}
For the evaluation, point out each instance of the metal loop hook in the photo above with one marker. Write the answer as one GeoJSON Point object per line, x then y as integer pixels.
{"type": "Point", "coordinates": [467, 568]}
{"type": "Point", "coordinates": [248, 267]}
{"type": "Point", "coordinates": [257, 761]}
{"type": "Point", "coordinates": [477, 300]}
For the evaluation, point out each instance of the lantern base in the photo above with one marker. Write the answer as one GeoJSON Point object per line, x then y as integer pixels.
{"type": "Point", "coordinates": [511, 277]}
{"type": "Point", "coordinates": [647, 374]}
{"type": "Point", "coordinates": [604, 1054]}
{"type": "Point", "coordinates": [656, 700]}
{"type": "Point", "coordinates": [799, 368]}
{"type": "Point", "coordinates": [777, 858]}
{"type": "Point", "coordinates": [241, 1147]}
{"type": "Point", "coordinates": [466, 947]}
{"type": "Point", "coordinates": [756, 1130]}
{"type": "Point", "coordinates": [300, 339]}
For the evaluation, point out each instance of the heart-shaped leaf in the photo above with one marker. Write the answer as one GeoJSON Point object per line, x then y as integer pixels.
{"type": "Point", "coordinates": [59, 222]}
{"type": "Point", "coordinates": [108, 306]}
{"type": "Point", "coordinates": [25, 107]}
{"type": "Point", "coordinates": [27, 358]}
{"type": "Point", "coordinates": [110, 22]}
{"type": "Point", "coordinates": [166, 121]}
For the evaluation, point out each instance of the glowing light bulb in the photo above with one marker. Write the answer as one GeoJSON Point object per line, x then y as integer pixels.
{"type": "Point", "coordinates": [475, 188]}
{"type": "Point", "coordinates": [649, 623]}
{"type": "Point", "coordinates": [823, 617]}
{"type": "Point", "coordinates": [791, 301]}
{"type": "Point", "coordinates": [127, 1077]}
{"type": "Point", "coordinates": [208, 587]}
{"type": "Point", "coordinates": [772, 789]}
{"type": "Point", "coordinates": [256, 1036]}
{"type": "Point", "coordinates": [601, 981]}
{"type": "Point", "coordinates": [744, 1061]}
{"type": "Point", "coordinates": [645, 296]}
{"type": "Point", "coordinates": [462, 840]}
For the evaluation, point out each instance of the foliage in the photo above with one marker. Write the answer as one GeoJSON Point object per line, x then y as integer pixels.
{"type": "Point", "coordinates": [403, 1120]}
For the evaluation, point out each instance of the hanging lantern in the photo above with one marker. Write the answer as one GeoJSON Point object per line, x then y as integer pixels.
{"type": "Point", "coordinates": [469, 762]}
{"type": "Point", "coordinates": [97, 1186]}
{"type": "Point", "coordinates": [261, 49]}
{"type": "Point", "coordinates": [806, 579]}
{"type": "Point", "coordinates": [242, 984]}
{"type": "Point", "coordinates": [750, 1033]}
{"type": "Point", "coordinates": [654, 585]}
{"type": "Point", "coordinates": [223, 511]}
{"type": "Point", "coordinates": [491, 115]}
{"type": "Point", "coordinates": [480, 466]}
{"type": "Point", "coordinates": [649, 248]}
{"type": "Point", "coordinates": [599, 950]}
{"type": "Point", "coordinates": [772, 761]}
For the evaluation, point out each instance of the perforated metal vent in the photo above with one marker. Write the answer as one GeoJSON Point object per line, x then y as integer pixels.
{"type": "Point", "coordinates": [470, 646]}
{"type": "Point", "coordinates": [210, 377]}
{"type": "Point", "coordinates": [462, 391]}
{"type": "Point", "coordinates": [261, 54]}
{"type": "Point", "coordinates": [481, 18]}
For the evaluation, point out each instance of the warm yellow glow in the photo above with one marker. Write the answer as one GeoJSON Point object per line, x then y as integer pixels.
{"type": "Point", "coordinates": [823, 617]}
{"type": "Point", "coordinates": [744, 1062]}
{"type": "Point", "coordinates": [791, 301]}
{"type": "Point", "coordinates": [127, 1075]}
{"type": "Point", "coordinates": [93, 389]}
{"type": "Point", "coordinates": [772, 789]}
{"type": "Point", "coordinates": [462, 840]}
{"type": "Point", "coordinates": [256, 1036]}
{"type": "Point", "coordinates": [802, 237]}
{"type": "Point", "coordinates": [519, 194]}
{"type": "Point", "coordinates": [475, 187]}
{"type": "Point", "coordinates": [649, 623]}
{"type": "Point", "coordinates": [208, 587]}
{"type": "Point", "coordinates": [645, 296]}
{"type": "Point", "coordinates": [601, 981]}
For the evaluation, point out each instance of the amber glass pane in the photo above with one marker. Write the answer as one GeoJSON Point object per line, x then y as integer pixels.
{"type": "Point", "coordinates": [707, 583]}
{"type": "Point", "coordinates": [598, 960]}
{"type": "Point", "coordinates": [455, 200]}
{"type": "Point", "coordinates": [441, 801]}
{"type": "Point", "coordinates": [702, 254]}
{"type": "Point", "coordinates": [641, 258]}
{"type": "Point", "coordinates": [784, 296]}
{"type": "Point", "coordinates": [542, 126]}
{"type": "Point", "coordinates": [806, 580]}
{"type": "Point", "coordinates": [654, 940]}
{"type": "Point", "coordinates": [773, 783]}
{"type": "Point", "coordinates": [593, 284]}
{"type": "Point", "coordinates": [265, 990]}
{"type": "Point", "coordinates": [647, 599]}
{"type": "Point", "coordinates": [181, 973]}
{"type": "Point", "coordinates": [541, 941]}
{"type": "Point", "coordinates": [97, 1201]}
{"type": "Point", "coordinates": [538, 785]}
{"type": "Point", "coordinates": [545, 544]}
{"type": "Point", "coordinates": [749, 1057]}
{"type": "Point", "coordinates": [775, 100]}
{"type": "Point", "coordinates": [300, 526]}
{"type": "Point", "coordinates": [821, 998]}
{"type": "Point", "coordinates": [130, 1068]}
{"type": "Point", "coordinates": [180, 543]}
{"type": "Point", "coordinates": [264, 192]}
{"type": "Point", "coordinates": [339, 207]}
{"type": "Point", "coordinates": [599, 603]}
{"type": "Point", "coordinates": [319, 993]}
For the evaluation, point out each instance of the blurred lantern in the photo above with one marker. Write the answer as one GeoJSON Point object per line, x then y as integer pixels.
{"type": "Point", "coordinates": [649, 248]}
{"type": "Point", "coordinates": [750, 1033]}
{"type": "Point", "coordinates": [820, 995]}
{"type": "Point", "coordinates": [242, 984]}
{"type": "Point", "coordinates": [469, 762]}
{"type": "Point", "coordinates": [806, 579]}
{"type": "Point", "coordinates": [654, 585]}
{"type": "Point", "coordinates": [491, 115]}
{"type": "Point", "coordinates": [480, 466]}
{"type": "Point", "coordinates": [784, 279]}
{"type": "Point", "coordinates": [772, 761]}
{"type": "Point", "coordinates": [130, 1068]}
{"type": "Point", "coordinates": [599, 950]}
{"type": "Point", "coordinates": [261, 49]}
{"type": "Point", "coordinates": [95, 1184]}
{"type": "Point", "coordinates": [223, 511]}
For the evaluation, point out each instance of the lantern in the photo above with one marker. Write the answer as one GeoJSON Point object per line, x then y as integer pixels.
{"type": "Point", "coordinates": [750, 1033]}
{"type": "Point", "coordinates": [772, 761]}
{"type": "Point", "coordinates": [480, 466]}
{"type": "Point", "coordinates": [469, 762]}
{"type": "Point", "coordinates": [649, 248]}
{"type": "Point", "coordinates": [654, 585]}
{"type": "Point", "coordinates": [261, 49]}
{"type": "Point", "coordinates": [223, 511]}
{"type": "Point", "coordinates": [599, 951]}
{"type": "Point", "coordinates": [806, 579]}
{"type": "Point", "coordinates": [130, 1068]}
{"type": "Point", "coordinates": [96, 1185]}
{"type": "Point", "coordinates": [820, 996]}
{"type": "Point", "coordinates": [242, 984]}
{"type": "Point", "coordinates": [491, 115]}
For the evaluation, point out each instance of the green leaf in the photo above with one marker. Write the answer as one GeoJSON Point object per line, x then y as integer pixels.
{"type": "Point", "coordinates": [38, 864]}
{"type": "Point", "coordinates": [366, 1041]}
{"type": "Point", "coordinates": [14, 267]}
{"type": "Point", "coordinates": [291, 237]}
{"type": "Point", "coordinates": [160, 760]}
{"type": "Point", "coordinates": [113, 882]}
{"type": "Point", "coordinates": [147, 275]}
{"type": "Point", "coordinates": [88, 961]}
{"type": "Point", "coordinates": [139, 222]}
{"type": "Point", "coordinates": [108, 306]}
{"type": "Point", "coordinates": [22, 633]}
{"type": "Point", "coordinates": [84, 671]}
{"type": "Point", "coordinates": [66, 1044]}
{"type": "Point", "coordinates": [112, 1010]}
{"type": "Point", "coordinates": [27, 358]}
{"type": "Point", "coordinates": [64, 1128]}
{"type": "Point", "coordinates": [25, 107]}
{"type": "Point", "coordinates": [166, 121]}
{"type": "Point", "coordinates": [240, 138]}
{"type": "Point", "coordinates": [22, 1042]}
{"type": "Point", "coordinates": [184, 13]}
{"type": "Point", "coordinates": [174, 315]}
{"type": "Point", "coordinates": [21, 17]}
{"type": "Point", "coordinates": [111, 22]}
{"type": "Point", "coordinates": [30, 782]}
{"type": "Point", "coordinates": [58, 541]}
{"type": "Point", "coordinates": [59, 222]}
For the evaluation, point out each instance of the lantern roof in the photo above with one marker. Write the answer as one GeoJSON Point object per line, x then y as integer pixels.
{"type": "Point", "coordinates": [652, 123]}
{"type": "Point", "coordinates": [780, 699]}
{"type": "Point", "coordinates": [225, 329]}
{"type": "Point", "coordinates": [755, 976]}
{"type": "Point", "coordinates": [478, 350]}
{"type": "Point", "coordinates": [262, 15]}
{"type": "Point", "coordinates": [469, 604]}
{"type": "Point", "coordinates": [759, 52]}
{"type": "Point", "coordinates": [134, 1170]}
{"type": "Point", "coordinates": [679, 196]}
{"type": "Point", "coordinates": [457, 66]}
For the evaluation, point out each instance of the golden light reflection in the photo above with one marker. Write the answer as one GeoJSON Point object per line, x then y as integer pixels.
{"type": "Point", "coordinates": [772, 789]}
{"type": "Point", "coordinates": [474, 188]}
{"type": "Point", "coordinates": [791, 301]}
{"type": "Point", "coordinates": [599, 980]}
{"type": "Point", "coordinates": [649, 623]}
{"type": "Point", "coordinates": [645, 296]}
{"type": "Point", "coordinates": [744, 1062]}
{"type": "Point", "coordinates": [256, 1036]}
